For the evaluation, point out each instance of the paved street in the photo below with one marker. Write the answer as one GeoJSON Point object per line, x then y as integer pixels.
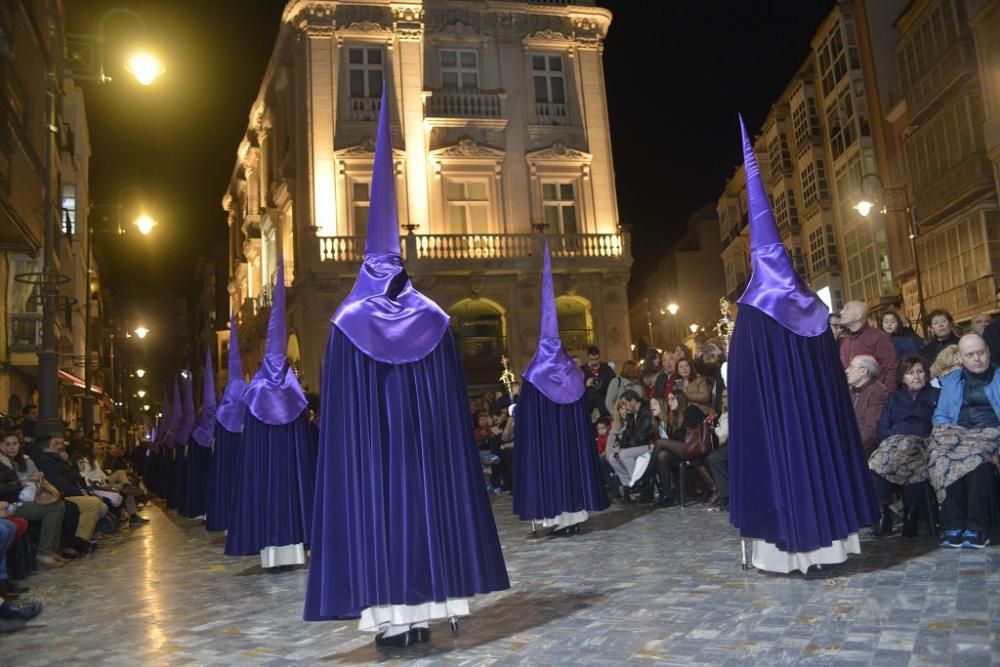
{"type": "Point", "coordinates": [643, 587]}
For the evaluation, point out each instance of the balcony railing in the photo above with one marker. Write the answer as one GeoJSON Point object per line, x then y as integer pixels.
{"type": "Point", "coordinates": [551, 113]}
{"type": "Point", "coordinates": [576, 339]}
{"type": "Point", "coordinates": [363, 108]}
{"type": "Point", "coordinates": [966, 300]}
{"type": "Point", "coordinates": [958, 60]}
{"type": "Point", "coordinates": [25, 332]}
{"type": "Point", "coordinates": [464, 104]}
{"type": "Point", "coordinates": [431, 247]}
{"type": "Point", "coordinates": [971, 173]}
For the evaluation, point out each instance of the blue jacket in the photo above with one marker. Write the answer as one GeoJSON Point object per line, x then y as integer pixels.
{"type": "Point", "coordinates": [952, 391]}
{"type": "Point", "coordinates": [905, 344]}
{"type": "Point", "coordinates": [905, 415]}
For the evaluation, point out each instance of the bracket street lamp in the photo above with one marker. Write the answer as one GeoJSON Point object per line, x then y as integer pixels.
{"type": "Point", "coordinates": [865, 207]}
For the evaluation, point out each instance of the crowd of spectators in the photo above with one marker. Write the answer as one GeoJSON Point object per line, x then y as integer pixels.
{"type": "Point", "coordinates": [60, 498]}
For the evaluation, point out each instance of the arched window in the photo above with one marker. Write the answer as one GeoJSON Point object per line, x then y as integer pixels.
{"type": "Point", "coordinates": [576, 326]}
{"type": "Point", "coordinates": [480, 330]}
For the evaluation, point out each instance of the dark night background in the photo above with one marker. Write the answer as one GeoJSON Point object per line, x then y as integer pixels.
{"type": "Point", "coordinates": [677, 73]}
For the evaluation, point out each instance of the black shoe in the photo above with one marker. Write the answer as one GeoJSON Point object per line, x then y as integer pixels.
{"type": "Point", "coordinates": [909, 528]}
{"type": "Point", "coordinates": [9, 625]}
{"type": "Point", "coordinates": [884, 527]}
{"type": "Point", "coordinates": [135, 518]}
{"type": "Point", "coordinates": [402, 640]}
{"type": "Point", "coordinates": [24, 611]}
{"type": "Point", "coordinates": [421, 634]}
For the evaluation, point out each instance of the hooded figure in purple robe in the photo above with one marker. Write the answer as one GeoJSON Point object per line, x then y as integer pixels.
{"type": "Point", "coordinates": [175, 455]}
{"type": "Point", "coordinates": [799, 481]}
{"type": "Point", "coordinates": [157, 465]}
{"type": "Point", "coordinates": [228, 430]}
{"type": "Point", "coordinates": [403, 532]}
{"type": "Point", "coordinates": [557, 475]}
{"type": "Point", "coordinates": [199, 452]}
{"type": "Point", "coordinates": [272, 507]}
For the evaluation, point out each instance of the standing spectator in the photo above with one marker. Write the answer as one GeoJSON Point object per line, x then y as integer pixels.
{"type": "Point", "coordinates": [942, 334]}
{"type": "Point", "coordinates": [903, 339]}
{"type": "Point", "coordinates": [597, 376]}
{"type": "Point", "coordinates": [627, 379]}
{"type": "Point", "coordinates": [992, 335]}
{"type": "Point", "coordinates": [718, 460]}
{"type": "Point", "coordinates": [685, 374]}
{"type": "Point", "coordinates": [29, 420]}
{"type": "Point", "coordinates": [861, 339]}
{"type": "Point", "coordinates": [978, 323]}
{"type": "Point", "coordinates": [836, 328]}
{"type": "Point", "coordinates": [665, 379]}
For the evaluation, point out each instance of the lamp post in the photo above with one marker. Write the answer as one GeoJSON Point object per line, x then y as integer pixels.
{"type": "Point", "coordinates": [145, 225]}
{"type": "Point", "coordinates": [865, 206]}
{"type": "Point", "coordinates": [49, 279]}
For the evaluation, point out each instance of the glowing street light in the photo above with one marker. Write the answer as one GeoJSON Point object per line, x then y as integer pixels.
{"type": "Point", "coordinates": [864, 207]}
{"type": "Point", "coordinates": [141, 393]}
{"type": "Point", "coordinates": [672, 308]}
{"type": "Point", "coordinates": [145, 224]}
{"type": "Point", "coordinates": [145, 67]}
{"type": "Point", "coordinates": [141, 332]}
{"type": "Point", "coordinates": [693, 328]}
{"type": "Point", "coordinates": [139, 372]}
{"type": "Point", "coordinates": [184, 374]}
{"type": "Point", "coordinates": [145, 407]}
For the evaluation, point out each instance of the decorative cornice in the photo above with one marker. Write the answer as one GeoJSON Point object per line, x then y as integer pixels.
{"type": "Point", "coordinates": [467, 147]}
{"type": "Point", "coordinates": [558, 151]}
{"type": "Point", "coordinates": [408, 23]}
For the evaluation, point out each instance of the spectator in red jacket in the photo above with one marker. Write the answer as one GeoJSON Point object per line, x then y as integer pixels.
{"type": "Point", "coordinates": [862, 339]}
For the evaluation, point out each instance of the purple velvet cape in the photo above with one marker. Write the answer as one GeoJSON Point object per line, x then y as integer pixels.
{"type": "Point", "coordinates": [401, 513]}
{"type": "Point", "coordinates": [222, 477]}
{"type": "Point", "coordinates": [556, 467]}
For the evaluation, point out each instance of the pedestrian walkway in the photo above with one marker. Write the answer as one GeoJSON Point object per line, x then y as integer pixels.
{"type": "Point", "coordinates": [636, 586]}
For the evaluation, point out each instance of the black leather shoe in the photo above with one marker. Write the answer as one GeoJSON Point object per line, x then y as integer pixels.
{"type": "Point", "coordinates": [401, 640]}
{"type": "Point", "coordinates": [421, 634]}
{"type": "Point", "coordinates": [24, 611]}
{"type": "Point", "coordinates": [135, 518]}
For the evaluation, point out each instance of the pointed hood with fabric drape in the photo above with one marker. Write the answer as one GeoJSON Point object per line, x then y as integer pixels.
{"type": "Point", "coordinates": [203, 432]}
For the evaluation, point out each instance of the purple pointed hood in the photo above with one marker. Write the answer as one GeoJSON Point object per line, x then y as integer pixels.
{"type": "Point", "coordinates": [551, 370]}
{"type": "Point", "coordinates": [187, 411]}
{"type": "Point", "coordinates": [204, 431]}
{"type": "Point", "coordinates": [231, 407]}
{"type": "Point", "coordinates": [176, 418]}
{"type": "Point", "coordinates": [165, 431]}
{"type": "Point", "coordinates": [774, 287]}
{"type": "Point", "coordinates": [274, 394]}
{"type": "Point", "coordinates": [384, 316]}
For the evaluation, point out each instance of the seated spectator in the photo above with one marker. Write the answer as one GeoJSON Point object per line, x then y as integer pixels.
{"type": "Point", "coordinates": [903, 339]}
{"type": "Point", "coordinates": [633, 441]}
{"type": "Point", "coordinates": [668, 450]}
{"type": "Point", "coordinates": [99, 485]}
{"type": "Point", "coordinates": [946, 362]}
{"type": "Point", "coordinates": [868, 396]}
{"type": "Point", "coordinates": [12, 616]}
{"type": "Point", "coordinates": [46, 453]}
{"type": "Point", "coordinates": [901, 457]}
{"type": "Point", "coordinates": [718, 460]}
{"type": "Point", "coordinates": [861, 339]}
{"type": "Point", "coordinates": [19, 481]}
{"type": "Point", "coordinates": [964, 446]}
{"type": "Point", "coordinates": [627, 379]}
{"type": "Point", "coordinates": [602, 442]}
{"type": "Point", "coordinates": [942, 334]}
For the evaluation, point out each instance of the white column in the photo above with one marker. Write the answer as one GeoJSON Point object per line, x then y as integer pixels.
{"type": "Point", "coordinates": [593, 101]}
{"type": "Point", "coordinates": [409, 30]}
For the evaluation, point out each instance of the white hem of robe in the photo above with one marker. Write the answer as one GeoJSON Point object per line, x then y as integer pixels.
{"type": "Point", "coordinates": [290, 554]}
{"type": "Point", "coordinates": [373, 618]}
{"type": "Point", "coordinates": [770, 558]}
{"type": "Point", "coordinates": [566, 519]}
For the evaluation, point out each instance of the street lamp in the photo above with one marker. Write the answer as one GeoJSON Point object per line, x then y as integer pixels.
{"type": "Point", "coordinates": [141, 332]}
{"type": "Point", "coordinates": [693, 328]}
{"type": "Point", "coordinates": [145, 224]}
{"type": "Point", "coordinates": [145, 67]}
{"type": "Point", "coordinates": [672, 308]}
{"type": "Point", "coordinates": [141, 393]}
{"type": "Point", "coordinates": [86, 53]}
{"type": "Point", "coordinates": [865, 206]}
{"type": "Point", "coordinates": [139, 372]}
{"type": "Point", "coordinates": [145, 407]}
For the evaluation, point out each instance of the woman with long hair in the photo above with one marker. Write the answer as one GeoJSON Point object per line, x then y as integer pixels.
{"type": "Point", "coordinates": [668, 450]}
{"type": "Point", "coordinates": [19, 484]}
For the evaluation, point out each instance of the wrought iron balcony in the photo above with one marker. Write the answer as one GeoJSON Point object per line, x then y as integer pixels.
{"type": "Point", "coordinates": [464, 103]}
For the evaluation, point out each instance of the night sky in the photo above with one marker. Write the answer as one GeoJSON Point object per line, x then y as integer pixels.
{"type": "Point", "coordinates": [677, 73]}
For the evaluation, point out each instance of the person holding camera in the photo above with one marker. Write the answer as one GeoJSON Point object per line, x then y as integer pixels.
{"type": "Point", "coordinates": [597, 375]}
